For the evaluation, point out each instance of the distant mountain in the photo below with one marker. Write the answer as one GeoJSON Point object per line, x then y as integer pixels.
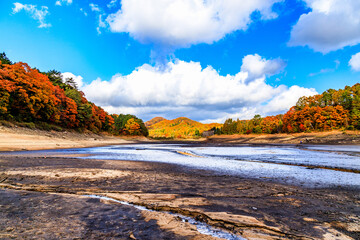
{"type": "Point", "coordinates": [177, 128]}
{"type": "Point", "coordinates": [153, 121]}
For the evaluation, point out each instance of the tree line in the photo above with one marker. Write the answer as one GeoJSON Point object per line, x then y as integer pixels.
{"type": "Point", "coordinates": [44, 98]}
{"type": "Point", "coordinates": [30, 96]}
{"type": "Point", "coordinates": [333, 109]}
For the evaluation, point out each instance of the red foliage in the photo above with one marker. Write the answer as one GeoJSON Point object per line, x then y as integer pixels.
{"type": "Point", "coordinates": [28, 95]}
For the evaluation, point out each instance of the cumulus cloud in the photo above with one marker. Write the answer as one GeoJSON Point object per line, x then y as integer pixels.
{"type": "Point", "coordinates": [187, 89]}
{"type": "Point", "coordinates": [60, 2]}
{"type": "Point", "coordinates": [354, 62]}
{"type": "Point", "coordinates": [329, 26]}
{"type": "Point", "coordinates": [35, 13]}
{"type": "Point", "coordinates": [181, 23]}
{"type": "Point", "coordinates": [287, 98]}
{"type": "Point", "coordinates": [256, 66]}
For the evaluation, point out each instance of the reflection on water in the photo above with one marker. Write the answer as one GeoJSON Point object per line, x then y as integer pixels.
{"type": "Point", "coordinates": [299, 166]}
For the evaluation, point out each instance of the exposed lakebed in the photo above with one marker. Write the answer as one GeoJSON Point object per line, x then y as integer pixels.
{"type": "Point", "coordinates": [244, 191]}
{"type": "Point", "coordinates": [310, 165]}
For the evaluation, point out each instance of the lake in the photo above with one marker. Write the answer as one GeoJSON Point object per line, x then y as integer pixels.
{"type": "Point", "coordinates": [309, 166]}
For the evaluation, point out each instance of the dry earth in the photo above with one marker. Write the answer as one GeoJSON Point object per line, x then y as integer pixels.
{"type": "Point", "coordinates": [43, 198]}
{"type": "Point", "coordinates": [19, 138]}
{"type": "Point", "coordinates": [333, 137]}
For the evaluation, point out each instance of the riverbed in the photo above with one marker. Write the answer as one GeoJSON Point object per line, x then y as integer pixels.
{"type": "Point", "coordinates": [309, 165]}
{"type": "Point", "coordinates": [251, 192]}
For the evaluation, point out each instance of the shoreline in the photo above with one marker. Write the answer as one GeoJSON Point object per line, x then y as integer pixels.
{"type": "Point", "coordinates": [23, 139]}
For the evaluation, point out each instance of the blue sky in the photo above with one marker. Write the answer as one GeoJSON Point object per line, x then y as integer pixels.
{"type": "Point", "coordinates": [207, 60]}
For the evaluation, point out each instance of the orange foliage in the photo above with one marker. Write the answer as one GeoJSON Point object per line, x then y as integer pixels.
{"type": "Point", "coordinates": [177, 128]}
{"type": "Point", "coordinates": [28, 95]}
{"type": "Point", "coordinates": [132, 127]}
{"type": "Point", "coordinates": [315, 118]}
{"type": "Point", "coordinates": [67, 110]}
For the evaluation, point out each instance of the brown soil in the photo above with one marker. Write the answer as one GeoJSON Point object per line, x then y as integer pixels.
{"type": "Point", "coordinates": [333, 137]}
{"type": "Point", "coordinates": [42, 198]}
{"type": "Point", "coordinates": [19, 138]}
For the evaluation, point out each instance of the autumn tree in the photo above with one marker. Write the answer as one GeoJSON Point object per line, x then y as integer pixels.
{"type": "Point", "coordinates": [121, 125]}
{"type": "Point", "coordinates": [26, 94]}
{"type": "Point", "coordinates": [4, 59]}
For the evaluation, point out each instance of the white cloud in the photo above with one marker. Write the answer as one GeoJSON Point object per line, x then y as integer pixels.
{"type": "Point", "coordinates": [326, 70]}
{"type": "Point", "coordinates": [60, 2]}
{"type": "Point", "coordinates": [256, 66]}
{"type": "Point", "coordinates": [331, 25]}
{"type": "Point", "coordinates": [289, 95]}
{"type": "Point", "coordinates": [35, 13]}
{"type": "Point", "coordinates": [83, 11]}
{"type": "Point", "coordinates": [101, 24]}
{"type": "Point", "coordinates": [94, 7]}
{"type": "Point", "coordinates": [112, 3]}
{"type": "Point", "coordinates": [181, 23]}
{"type": "Point", "coordinates": [77, 79]}
{"type": "Point", "coordinates": [187, 89]}
{"type": "Point", "coordinates": [99, 12]}
{"type": "Point", "coordinates": [354, 62]}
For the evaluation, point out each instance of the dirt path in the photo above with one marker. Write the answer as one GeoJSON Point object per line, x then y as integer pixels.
{"type": "Point", "coordinates": [39, 189]}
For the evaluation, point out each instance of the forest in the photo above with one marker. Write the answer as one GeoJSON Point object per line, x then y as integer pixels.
{"type": "Point", "coordinates": [333, 109]}
{"type": "Point", "coordinates": [45, 100]}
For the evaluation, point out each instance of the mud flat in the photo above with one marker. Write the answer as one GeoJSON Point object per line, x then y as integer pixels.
{"type": "Point", "coordinates": [48, 197]}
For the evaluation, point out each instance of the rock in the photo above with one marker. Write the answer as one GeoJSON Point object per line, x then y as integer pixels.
{"type": "Point", "coordinates": [9, 229]}
{"type": "Point", "coordinates": [131, 236]}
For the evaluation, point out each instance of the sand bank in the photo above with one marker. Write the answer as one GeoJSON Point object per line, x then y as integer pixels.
{"type": "Point", "coordinates": [333, 137]}
{"type": "Point", "coordinates": [18, 138]}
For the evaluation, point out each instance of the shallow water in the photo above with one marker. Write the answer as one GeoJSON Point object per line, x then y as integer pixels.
{"type": "Point", "coordinates": [289, 164]}
{"type": "Point", "coordinates": [201, 227]}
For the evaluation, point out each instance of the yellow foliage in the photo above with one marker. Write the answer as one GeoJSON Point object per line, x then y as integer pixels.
{"type": "Point", "coordinates": [177, 128]}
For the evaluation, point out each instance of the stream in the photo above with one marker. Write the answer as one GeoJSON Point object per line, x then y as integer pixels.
{"type": "Point", "coordinates": [201, 227]}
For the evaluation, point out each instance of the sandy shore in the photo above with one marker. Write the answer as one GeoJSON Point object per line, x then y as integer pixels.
{"type": "Point", "coordinates": [332, 137]}
{"type": "Point", "coordinates": [18, 138]}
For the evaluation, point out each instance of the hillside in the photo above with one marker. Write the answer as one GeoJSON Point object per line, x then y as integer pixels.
{"type": "Point", "coordinates": [47, 101]}
{"type": "Point", "coordinates": [178, 128]}
{"type": "Point", "coordinates": [153, 121]}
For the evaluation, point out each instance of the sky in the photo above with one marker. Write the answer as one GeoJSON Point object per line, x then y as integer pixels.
{"type": "Point", "coordinates": [207, 60]}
